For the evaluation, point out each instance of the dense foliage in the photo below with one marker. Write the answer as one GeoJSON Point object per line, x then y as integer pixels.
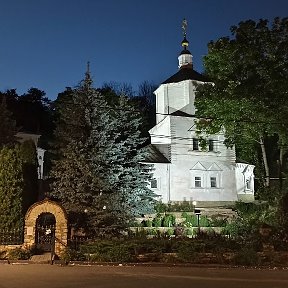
{"type": "Point", "coordinates": [249, 97]}
{"type": "Point", "coordinates": [7, 125]}
{"type": "Point", "coordinates": [11, 188]}
{"type": "Point", "coordinates": [32, 112]}
{"type": "Point", "coordinates": [98, 175]}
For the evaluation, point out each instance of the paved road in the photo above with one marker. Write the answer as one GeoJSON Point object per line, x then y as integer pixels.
{"type": "Point", "coordinates": [48, 276]}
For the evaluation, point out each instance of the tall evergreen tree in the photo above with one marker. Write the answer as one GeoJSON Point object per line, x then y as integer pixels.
{"type": "Point", "coordinates": [11, 188]}
{"type": "Point", "coordinates": [98, 175]}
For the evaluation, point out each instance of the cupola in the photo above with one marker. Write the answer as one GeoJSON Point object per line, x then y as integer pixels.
{"type": "Point", "coordinates": [185, 57]}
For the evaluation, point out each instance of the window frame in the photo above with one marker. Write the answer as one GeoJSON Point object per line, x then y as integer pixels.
{"type": "Point", "coordinates": [213, 179]}
{"type": "Point", "coordinates": [195, 144]}
{"type": "Point", "coordinates": [211, 146]}
{"type": "Point", "coordinates": [198, 180]}
{"type": "Point", "coordinates": [154, 180]}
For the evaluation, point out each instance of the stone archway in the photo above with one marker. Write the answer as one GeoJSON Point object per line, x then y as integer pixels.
{"type": "Point", "coordinates": [61, 227]}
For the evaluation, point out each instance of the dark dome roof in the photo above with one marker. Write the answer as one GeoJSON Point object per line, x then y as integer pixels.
{"type": "Point", "coordinates": [186, 74]}
{"type": "Point", "coordinates": [185, 51]}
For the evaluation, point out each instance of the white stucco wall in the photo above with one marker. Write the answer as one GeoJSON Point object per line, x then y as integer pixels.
{"type": "Point", "coordinates": [176, 181]}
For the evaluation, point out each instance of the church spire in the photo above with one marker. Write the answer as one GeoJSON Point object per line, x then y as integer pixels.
{"type": "Point", "coordinates": [185, 57]}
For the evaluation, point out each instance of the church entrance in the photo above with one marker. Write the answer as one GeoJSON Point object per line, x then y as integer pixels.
{"type": "Point", "coordinates": [45, 232]}
{"type": "Point", "coordinates": [46, 227]}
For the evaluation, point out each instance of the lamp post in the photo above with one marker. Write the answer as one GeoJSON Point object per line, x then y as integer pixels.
{"type": "Point", "coordinates": [197, 212]}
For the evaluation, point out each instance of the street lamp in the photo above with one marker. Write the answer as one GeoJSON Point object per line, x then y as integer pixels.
{"type": "Point", "coordinates": [197, 213]}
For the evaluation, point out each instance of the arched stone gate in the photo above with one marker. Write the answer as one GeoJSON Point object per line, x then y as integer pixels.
{"type": "Point", "coordinates": [61, 227]}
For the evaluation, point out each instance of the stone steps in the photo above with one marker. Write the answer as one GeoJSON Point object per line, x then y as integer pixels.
{"type": "Point", "coordinates": [43, 258]}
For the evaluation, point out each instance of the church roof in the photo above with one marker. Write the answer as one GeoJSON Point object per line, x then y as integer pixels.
{"type": "Point", "coordinates": [186, 74]}
{"type": "Point", "coordinates": [154, 155]}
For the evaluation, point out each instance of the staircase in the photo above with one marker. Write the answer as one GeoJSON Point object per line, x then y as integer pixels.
{"type": "Point", "coordinates": [44, 258]}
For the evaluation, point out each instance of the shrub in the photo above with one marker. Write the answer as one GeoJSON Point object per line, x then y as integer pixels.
{"type": "Point", "coordinates": [121, 253]}
{"type": "Point", "coordinates": [218, 222]}
{"type": "Point", "coordinates": [204, 221]}
{"type": "Point", "coordinates": [190, 220]}
{"type": "Point", "coordinates": [139, 233]}
{"type": "Point", "coordinates": [110, 251]}
{"type": "Point", "coordinates": [157, 221]}
{"type": "Point", "coordinates": [190, 231]}
{"type": "Point", "coordinates": [246, 256]}
{"type": "Point", "coordinates": [170, 232]}
{"type": "Point", "coordinates": [168, 220]}
{"type": "Point", "coordinates": [161, 207]}
{"type": "Point", "coordinates": [19, 254]}
{"type": "Point", "coordinates": [186, 252]}
{"type": "Point", "coordinates": [68, 255]}
{"type": "Point", "coordinates": [147, 223]}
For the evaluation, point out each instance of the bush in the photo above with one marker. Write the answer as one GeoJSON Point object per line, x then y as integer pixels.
{"type": "Point", "coordinates": [168, 220]}
{"type": "Point", "coordinates": [204, 221]}
{"type": "Point", "coordinates": [170, 232]}
{"type": "Point", "coordinates": [190, 220]}
{"type": "Point", "coordinates": [110, 251]}
{"type": "Point", "coordinates": [246, 256]}
{"type": "Point", "coordinates": [19, 254]}
{"type": "Point", "coordinates": [121, 253]}
{"type": "Point", "coordinates": [218, 222]}
{"type": "Point", "coordinates": [186, 252]}
{"type": "Point", "coordinates": [68, 255]}
{"type": "Point", "coordinates": [157, 221]}
{"type": "Point", "coordinates": [147, 223]}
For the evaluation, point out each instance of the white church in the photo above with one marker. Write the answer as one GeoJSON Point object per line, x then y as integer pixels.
{"type": "Point", "coordinates": [182, 170]}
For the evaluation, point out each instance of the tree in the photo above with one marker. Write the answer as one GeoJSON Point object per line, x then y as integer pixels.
{"type": "Point", "coordinates": [249, 96]}
{"type": "Point", "coordinates": [97, 173]}
{"type": "Point", "coordinates": [147, 105]}
{"type": "Point", "coordinates": [32, 111]}
{"type": "Point", "coordinates": [28, 156]}
{"type": "Point", "coordinates": [7, 125]}
{"type": "Point", "coordinates": [11, 188]}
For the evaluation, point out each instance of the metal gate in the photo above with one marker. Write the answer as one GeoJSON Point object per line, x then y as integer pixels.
{"type": "Point", "coordinates": [45, 238]}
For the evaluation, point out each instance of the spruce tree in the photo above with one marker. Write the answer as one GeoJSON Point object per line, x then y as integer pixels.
{"type": "Point", "coordinates": [98, 175]}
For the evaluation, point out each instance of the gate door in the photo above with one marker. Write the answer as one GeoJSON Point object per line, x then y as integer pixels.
{"type": "Point", "coordinates": [45, 232]}
{"type": "Point", "coordinates": [45, 238]}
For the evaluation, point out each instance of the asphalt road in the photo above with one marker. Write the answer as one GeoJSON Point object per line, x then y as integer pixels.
{"type": "Point", "coordinates": [48, 276]}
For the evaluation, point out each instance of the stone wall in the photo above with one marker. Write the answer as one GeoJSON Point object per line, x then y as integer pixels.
{"type": "Point", "coordinates": [61, 229]}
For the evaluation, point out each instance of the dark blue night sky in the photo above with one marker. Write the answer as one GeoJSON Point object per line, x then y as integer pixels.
{"type": "Point", "coordinates": [46, 44]}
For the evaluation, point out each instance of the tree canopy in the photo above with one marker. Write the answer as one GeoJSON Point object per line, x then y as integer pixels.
{"type": "Point", "coordinates": [7, 125]}
{"type": "Point", "coordinates": [98, 175]}
{"type": "Point", "coordinates": [249, 97]}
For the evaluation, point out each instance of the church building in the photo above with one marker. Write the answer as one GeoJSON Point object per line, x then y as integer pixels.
{"type": "Point", "coordinates": [182, 170]}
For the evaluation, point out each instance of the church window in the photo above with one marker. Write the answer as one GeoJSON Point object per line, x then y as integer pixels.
{"type": "Point", "coordinates": [153, 184]}
{"type": "Point", "coordinates": [211, 145]}
{"type": "Point", "coordinates": [248, 184]}
{"type": "Point", "coordinates": [195, 144]}
{"type": "Point", "coordinates": [213, 182]}
{"type": "Point", "coordinates": [198, 182]}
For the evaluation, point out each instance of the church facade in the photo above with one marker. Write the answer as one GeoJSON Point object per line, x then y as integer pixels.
{"type": "Point", "coordinates": [182, 170]}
